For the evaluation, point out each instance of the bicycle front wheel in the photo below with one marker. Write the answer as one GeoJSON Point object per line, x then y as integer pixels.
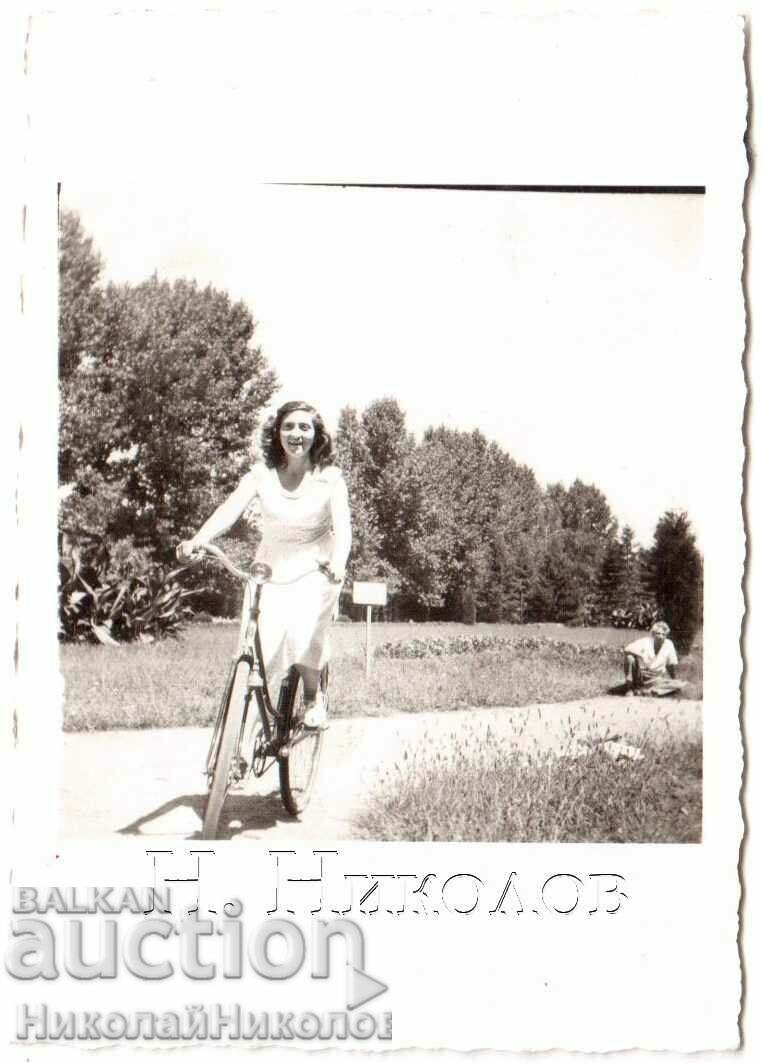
{"type": "Point", "coordinates": [299, 756]}
{"type": "Point", "coordinates": [226, 769]}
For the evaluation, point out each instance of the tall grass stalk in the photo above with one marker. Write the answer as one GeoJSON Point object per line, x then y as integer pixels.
{"type": "Point", "coordinates": [477, 792]}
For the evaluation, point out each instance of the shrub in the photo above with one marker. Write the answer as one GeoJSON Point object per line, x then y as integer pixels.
{"type": "Point", "coordinates": [588, 613]}
{"type": "Point", "coordinates": [129, 599]}
{"type": "Point", "coordinates": [639, 617]}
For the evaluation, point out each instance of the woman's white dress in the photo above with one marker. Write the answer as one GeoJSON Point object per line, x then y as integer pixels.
{"type": "Point", "coordinates": [297, 608]}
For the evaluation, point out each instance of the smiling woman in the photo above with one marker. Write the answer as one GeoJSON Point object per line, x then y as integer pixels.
{"type": "Point", "coordinates": [305, 524]}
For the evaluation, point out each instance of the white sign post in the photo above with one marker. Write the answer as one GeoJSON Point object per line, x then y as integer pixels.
{"type": "Point", "coordinates": [368, 594]}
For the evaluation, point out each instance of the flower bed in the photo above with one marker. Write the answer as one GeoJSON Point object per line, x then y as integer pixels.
{"type": "Point", "coordinates": [417, 648]}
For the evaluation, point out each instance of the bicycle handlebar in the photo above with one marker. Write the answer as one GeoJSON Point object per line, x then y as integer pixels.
{"type": "Point", "coordinates": [261, 572]}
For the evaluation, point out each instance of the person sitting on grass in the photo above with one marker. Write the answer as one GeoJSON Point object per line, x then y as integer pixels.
{"type": "Point", "coordinates": [650, 664]}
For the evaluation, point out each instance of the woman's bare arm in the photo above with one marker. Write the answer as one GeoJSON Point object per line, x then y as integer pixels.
{"type": "Point", "coordinates": [226, 514]}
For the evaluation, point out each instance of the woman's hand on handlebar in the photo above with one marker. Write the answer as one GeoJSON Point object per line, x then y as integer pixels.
{"type": "Point", "coordinates": [187, 550]}
{"type": "Point", "coordinates": [191, 550]}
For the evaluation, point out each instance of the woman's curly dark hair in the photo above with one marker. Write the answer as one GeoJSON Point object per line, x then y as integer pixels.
{"type": "Point", "coordinates": [321, 451]}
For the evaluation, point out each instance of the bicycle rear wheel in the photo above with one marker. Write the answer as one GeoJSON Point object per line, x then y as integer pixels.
{"type": "Point", "coordinates": [225, 771]}
{"type": "Point", "coordinates": [299, 757]}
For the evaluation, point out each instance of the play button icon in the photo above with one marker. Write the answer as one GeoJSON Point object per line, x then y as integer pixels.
{"type": "Point", "coordinates": [361, 988]}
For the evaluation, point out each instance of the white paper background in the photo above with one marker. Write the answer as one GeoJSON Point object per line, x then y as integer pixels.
{"type": "Point", "coordinates": [664, 975]}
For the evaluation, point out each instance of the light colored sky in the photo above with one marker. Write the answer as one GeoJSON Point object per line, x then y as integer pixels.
{"type": "Point", "coordinates": [566, 327]}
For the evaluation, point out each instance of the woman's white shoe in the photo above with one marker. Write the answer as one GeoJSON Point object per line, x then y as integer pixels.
{"type": "Point", "coordinates": [316, 714]}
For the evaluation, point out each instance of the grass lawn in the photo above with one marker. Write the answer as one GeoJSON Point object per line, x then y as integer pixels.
{"type": "Point", "coordinates": [477, 793]}
{"type": "Point", "coordinates": [177, 682]}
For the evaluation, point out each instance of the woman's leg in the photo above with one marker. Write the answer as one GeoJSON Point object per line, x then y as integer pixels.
{"type": "Point", "coordinates": [315, 709]}
{"type": "Point", "coordinates": [666, 686]}
{"type": "Point", "coordinates": [630, 669]}
{"type": "Point", "coordinates": [632, 674]}
{"type": "Point", "coordinates": [311, 680]}
{"type": "Point", "coordinates": [311, 642]}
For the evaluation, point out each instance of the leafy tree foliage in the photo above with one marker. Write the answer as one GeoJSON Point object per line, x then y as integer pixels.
{"type": "Point", "coordinates": [80, 297]}
{"type": "Point", "coordinates": [459, 530]}
{"type": "Point", "coordinates": [677, 577]}
{"type": "Point", "coordinates": [581, 530]}
{"type": "Point", "coordinates": [389, 484]}
{"type": "Point", "coordinates": [161, 393]}
{"type": "Point", "coordinates": [611, 581]}
{"type": "Point", "coordinates": [632, 589]}
{"type": "Point", "coordinates": [353, 457]}
{"type": "Point", "coordinates": [624, 598]}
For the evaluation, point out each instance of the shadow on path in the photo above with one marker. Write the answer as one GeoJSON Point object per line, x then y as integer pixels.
{"type": "Point", "coordinates": [241, 812]}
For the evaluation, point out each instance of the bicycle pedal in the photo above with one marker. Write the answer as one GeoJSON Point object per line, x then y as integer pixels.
{"type": "Point", "coordinates": [238, 773]}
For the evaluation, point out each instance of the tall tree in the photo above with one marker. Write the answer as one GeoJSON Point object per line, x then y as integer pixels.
{"type": "Point", "coordinates": [612, 578]}
{"type": "Point", "coordinates": [157, 414]}
{"type": "Point", "coordinates": [581, 529]}
{"type": "Point", "coordinates": [520, 581]}
{"type": "Point", "coordinates": [391, 489]}
{"type": "Point", "coordinates": [520, 525]}
{"type": "Point", "coordinates": [386, 435]}
{"type": "Point", "coordinates": [80, 297]}
{"type": "Point", "coordinates": [353, 457]}
{"type": "Point", "coordinates": [460, 485]}
{"type": "Point", "coordinates": [677, 577]}
{"type": "Point", "coordinates": [620, 583]}
{"type": "Point", "coordinates": [482, 517]}
{"type": "Point", "coordinates": [632, 587]}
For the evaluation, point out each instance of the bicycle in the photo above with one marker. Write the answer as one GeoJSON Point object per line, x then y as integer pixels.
{"type": "Point", "coordinates": [279, 734]}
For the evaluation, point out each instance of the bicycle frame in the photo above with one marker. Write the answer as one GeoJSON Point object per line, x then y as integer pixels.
{"type": "Point", "coordinates": [249, 653]}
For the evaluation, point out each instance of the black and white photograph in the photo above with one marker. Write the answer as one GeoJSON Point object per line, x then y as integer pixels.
{"type": "Point", "coordinates": [461, 429]}
{"type": "Point", "coordinates": [380, 509]}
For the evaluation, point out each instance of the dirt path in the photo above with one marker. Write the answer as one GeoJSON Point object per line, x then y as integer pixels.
{"type": "Point", "coordinates": [150, 783]}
